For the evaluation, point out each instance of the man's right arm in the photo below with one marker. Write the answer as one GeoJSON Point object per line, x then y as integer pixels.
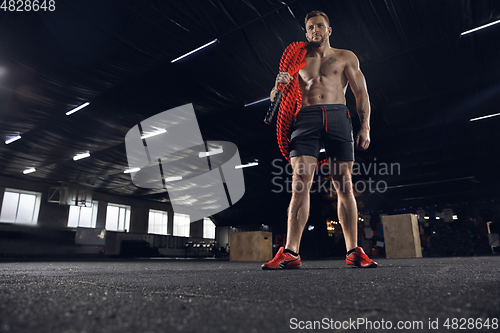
{"type": "Point", "coordinates": [273, 93]}
{"type": "Point", "coordinates": [283, 77]}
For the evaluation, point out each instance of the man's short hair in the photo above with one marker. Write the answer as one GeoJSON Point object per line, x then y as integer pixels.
{"type": "Point", "coordinates": [317, 13]}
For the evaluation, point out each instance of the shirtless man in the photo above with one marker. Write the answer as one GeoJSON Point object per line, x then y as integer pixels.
{"type": "Point", "coordinates": [325, 118]}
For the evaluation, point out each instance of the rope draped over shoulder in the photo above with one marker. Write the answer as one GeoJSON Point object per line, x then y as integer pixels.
{"type": "Point", "coordinates": [292, 60]}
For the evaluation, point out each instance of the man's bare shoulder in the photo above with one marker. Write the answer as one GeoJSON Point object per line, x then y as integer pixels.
{"type": "Point", "coordinates": [347, 55]}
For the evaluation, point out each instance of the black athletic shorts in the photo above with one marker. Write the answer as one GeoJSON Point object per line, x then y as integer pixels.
{"type": "Point", "coordinates": [327, 123]}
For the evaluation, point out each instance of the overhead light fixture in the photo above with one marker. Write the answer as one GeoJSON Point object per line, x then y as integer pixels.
{"type": "Point", "coordinates": [426, 217]}
{"type": "Point", "coordinates": [455, 217]}
{"type": "Point", "coordinates": [171, 179]}
{"type": "Point", "coordinates": [77, 108]}
{"type": "Point", "coordinates": [484, 117]}
{"type": "Point", "coordinates": [154, 133]}
{"type": "Point", "coordinates": [80, 156]}
{"type": "Point", "coordinates": [322, 150]}
{"type": "Point", "coordinates": [246, 165]}
{"type": "Point", "coordinates": [189, 53]}
{"type": "Point", "coordinates": [261, 100]}
{"type": "Point", "coordinates": [479, 28]}
{"type": "Point", "coordinates": [132, 170]}
{"type": "Point", "coordinates": [12, 139]}
{"type": "Point", "coordinates": [30, 170]}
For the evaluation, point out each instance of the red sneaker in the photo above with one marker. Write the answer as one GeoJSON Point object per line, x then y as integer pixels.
{"type": "Point", "coordinates": [359, 258]}
{"type": "Point", "coordinates": [283, 260]}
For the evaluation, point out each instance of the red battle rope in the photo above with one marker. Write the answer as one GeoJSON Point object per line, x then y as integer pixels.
{"type": "Point", "coordinates": [293, 60]}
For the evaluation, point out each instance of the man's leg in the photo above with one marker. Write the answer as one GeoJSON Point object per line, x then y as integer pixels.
{"type": "Point", "coordinates": [347, 209]}
{"type": "Point", "coordinates": [298, 213]}
{"type": "Point", "coordinates": [348, 214]}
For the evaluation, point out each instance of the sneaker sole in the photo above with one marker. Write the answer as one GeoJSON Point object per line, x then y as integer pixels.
{"type": "Point", "coordinates": [283, 265]}
{"type": "Point", "coordinates": [358, 265]}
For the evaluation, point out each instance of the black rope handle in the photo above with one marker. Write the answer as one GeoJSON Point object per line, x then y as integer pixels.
{"type": "Point", "coordinates": [273, 107]}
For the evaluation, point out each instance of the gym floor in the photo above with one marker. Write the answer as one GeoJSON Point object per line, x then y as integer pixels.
{"type": "Point", "coordinates": [173, 295]}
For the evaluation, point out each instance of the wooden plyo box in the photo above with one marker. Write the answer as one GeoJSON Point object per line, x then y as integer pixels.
{"type": "Point", "coordinates": [402, 237]}
{"type": "Point", "coordinates": [251, 246]}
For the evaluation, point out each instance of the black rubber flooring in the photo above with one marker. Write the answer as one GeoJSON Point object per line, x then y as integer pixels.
{"type": "Point", "coordinates": [165, 295]}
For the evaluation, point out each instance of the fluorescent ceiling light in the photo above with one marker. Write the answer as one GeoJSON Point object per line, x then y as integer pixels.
{"type": "Point", "coordinates": [12, 139]}
{"type": "Point", "coordinates": [189, 53]}
{"type": "Point", "coordinates": [30, 170]}
{"type": "Point", "coordinates": [479, 28]}
{"type": "Point", "coordinates": [154, 133]}
{"type": "Point", "coordinates": [211, 152]}
{"type": "Point", "coordinates": [426, 217]}
{"type": "Point", "coordinates": [246, 165]}
{"type": "Point", "coordinates": [77, 108]}
{"type": "Point", "coordinates": [484, 117]}
{"type": "Point", "coordinates": [132, 170]}
{"type": "Point", "coordinates": [171, 179]}
{"type": "Point", "coordinates": [80, 156]}
{"type": "Point", "coordinates": [261, 100]}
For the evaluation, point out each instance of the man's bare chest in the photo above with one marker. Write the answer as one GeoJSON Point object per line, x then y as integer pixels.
{"type": "Point", "coordinates": [319, 68]}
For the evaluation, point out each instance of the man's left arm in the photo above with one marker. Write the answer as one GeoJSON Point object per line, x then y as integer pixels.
{"type": "Point", "coordinates": [358, 86]}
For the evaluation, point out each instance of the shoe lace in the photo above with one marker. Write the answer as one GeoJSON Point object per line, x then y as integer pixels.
{"type": "Point", "coordinates": [277, 257]}
{"type": "Point", "coordinates": [365, 257]}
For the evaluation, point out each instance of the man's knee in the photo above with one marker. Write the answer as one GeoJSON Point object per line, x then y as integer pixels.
{"type": "Point", "coordinates": [342, 178]}
{"type": "Point", "coordinates": [343, 185]}
{"type": "Point", "coordinates": [303, 167]}
{"type": "Point", "coordinates": [301, 183]}
{"type": "Point", "coordinates": [303, 172]}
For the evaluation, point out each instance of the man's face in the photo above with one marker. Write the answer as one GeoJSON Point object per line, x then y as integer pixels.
{"type": "Point", "coordinates": [317, 31]}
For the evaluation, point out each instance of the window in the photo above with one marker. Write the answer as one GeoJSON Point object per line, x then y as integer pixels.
{"type": "Point", "coordinates": [208, 228]}
{"type": "Point", "coordinates": [181, 225]}
{"type": "Point", "coordinates": [83, 216]}
{"type": "Point", "coordinates": [158, 222]}
{"type": "Point", "coordinates": [20, 206]}
{"type": "Point", "coordinates": [117, 217]}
